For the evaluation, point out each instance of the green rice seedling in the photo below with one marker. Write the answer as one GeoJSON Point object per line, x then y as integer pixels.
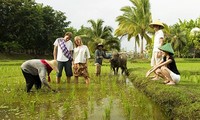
{"type": "Point", "coordinates": [58, 96]}
{"type": "Point", "coordinates": [42, 115]}
{"type": "Point", "coordinates": [103, 88]}
{"type": "Point", "coordinates": [195, 79]}
{"type": "Point", "coordinates": [85, 114]}
{"type": "Point", "coordinates": [61, 112]}
{"type": "Point", "coordinates": [91, 105]}
{"type": "Point", "coordinates": [128, 110]}
{"type": "Point", "coordinates": [107, 112]}
{"type": "Point", "coordinates": [72, 94]}
{"type": "Point", "coordinates": [66, 105]}
{"type": "Point", "coordinates": [110, 101]}
{"type": "Point", "coordinates": [91, 91]}
{"type": "Point", "coordinates": [32, 106]}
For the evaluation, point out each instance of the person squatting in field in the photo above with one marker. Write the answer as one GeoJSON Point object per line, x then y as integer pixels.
{"type": "Point", "coordinates": [35, 71]}
{"type": "Point", "coordinates": [167, 68]}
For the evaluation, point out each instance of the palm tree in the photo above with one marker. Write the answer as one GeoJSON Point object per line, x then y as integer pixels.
{"type": "Point", "coordinates": [178, 39]}
{"type": "Point", "coordinates": [99, 34]}
{"type": "Point", "coordinates": [135, 21]}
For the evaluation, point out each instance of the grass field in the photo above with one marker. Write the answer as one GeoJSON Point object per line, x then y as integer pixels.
{"type": "Point", "coordinates": [107, 97]}
{"type": "Point", "coordinates": [181, 101]}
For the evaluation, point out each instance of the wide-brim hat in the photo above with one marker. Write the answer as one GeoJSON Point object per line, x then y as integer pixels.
{"type": "Point", "coordinates": [53, 64]}
{"type": "Point", "coordinates": [100, 44]}
{"type": "Point", "coordinates": [157, 22]}
{"type": "Point", "coordinates": [167, 48]}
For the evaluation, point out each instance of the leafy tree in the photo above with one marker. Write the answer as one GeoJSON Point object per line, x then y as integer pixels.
{"type": "Point", "coordinates": [29, 26]}
{"type": "Point", "coordinates": [8, 32]}
{"type": "Point", "coordinates": [178, 39]}
{"type": "Point", "coordinates": [135, 22]}
{"type": "Point", "coordinates": [195, 38]}
{"type": "Point", "coordinates": [98, 33]}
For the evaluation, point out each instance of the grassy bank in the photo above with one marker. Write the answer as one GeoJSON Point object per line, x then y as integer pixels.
{"type": "Point", "coordinates": [181, 101]}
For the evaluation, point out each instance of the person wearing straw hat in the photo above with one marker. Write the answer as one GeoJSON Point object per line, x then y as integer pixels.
{"type": "Point", "coordinates": [158, 42]}
{"type": "Point", "coordinates": [167, 68]}
{"type": "Point", "coordinates": [99, 55]}
{"type": "Point", "coordinates": [35, 72]}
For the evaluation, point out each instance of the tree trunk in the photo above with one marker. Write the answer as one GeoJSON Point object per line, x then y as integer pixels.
{"type": "Point", "coordinates": [135, 46]}
{"type": "Point", "coordinates": [141, 50]}
{"type": "Point", "coordinates": [194, 54]}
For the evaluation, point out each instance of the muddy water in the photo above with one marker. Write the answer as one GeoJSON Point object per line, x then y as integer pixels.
{"type": "Point", "coordinates": [106, 98]}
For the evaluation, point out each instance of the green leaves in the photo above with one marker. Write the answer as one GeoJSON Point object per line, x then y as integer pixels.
{"type": "Point", "coordinates": [33, 26]}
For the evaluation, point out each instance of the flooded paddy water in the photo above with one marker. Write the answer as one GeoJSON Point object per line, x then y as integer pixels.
{"type": "Point", "coordinates": [108, 97]}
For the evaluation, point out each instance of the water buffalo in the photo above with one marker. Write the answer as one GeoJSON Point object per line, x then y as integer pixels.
{"type": "Point", "coordinates": [119, 60]}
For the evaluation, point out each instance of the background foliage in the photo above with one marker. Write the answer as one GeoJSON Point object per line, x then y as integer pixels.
{"type": "Point", "coordinates": [31, 28]}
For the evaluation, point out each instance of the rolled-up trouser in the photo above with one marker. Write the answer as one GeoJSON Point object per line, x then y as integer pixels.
{"type": "Point", "coordinates": [32, 80]}
{"type": "Point", "coordinates": [98, 69]}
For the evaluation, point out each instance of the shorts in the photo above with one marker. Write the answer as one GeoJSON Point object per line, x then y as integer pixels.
{"type": "Point", "coordinates": [67, 66]}
{"type": "Point", "coordinates": [176, 78]}
{"type": "Point", "coordinates": [80, 69]}
{"type": "Point", "coordinates": [98, 61]}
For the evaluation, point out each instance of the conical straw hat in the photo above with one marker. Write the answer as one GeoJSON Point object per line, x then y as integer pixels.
{"type": "Point", "coordinates": [167, 48]}
{"type": "Point", "coordinates": [157, 22]}
{"type": "Point", "coordinates": [53, 64]}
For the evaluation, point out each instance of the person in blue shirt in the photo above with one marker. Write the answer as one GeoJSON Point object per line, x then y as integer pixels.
{"type": "Point", "coordinates": [99, 55]}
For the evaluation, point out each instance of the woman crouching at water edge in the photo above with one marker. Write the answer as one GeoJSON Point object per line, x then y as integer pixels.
{"type": "Point", "coordinates": [167, 67]}
{"type": "Point", "coordinates": [80, 59]}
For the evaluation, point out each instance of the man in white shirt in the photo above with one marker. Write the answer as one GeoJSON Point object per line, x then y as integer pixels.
{"type": "Point", "coordinates": [63, 50]}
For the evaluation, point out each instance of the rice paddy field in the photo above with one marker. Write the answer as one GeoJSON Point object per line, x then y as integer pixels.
{"type": "Point", "coordinates": [108, 97]}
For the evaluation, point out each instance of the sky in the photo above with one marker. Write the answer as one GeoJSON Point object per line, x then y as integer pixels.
{"type": "Point", "coordinates": [80, 11]}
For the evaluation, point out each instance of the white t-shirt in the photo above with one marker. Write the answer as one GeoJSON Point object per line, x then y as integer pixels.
{"type": "Point", "coordinates": [159, 34]}
{"type": "Point", "coordinates": [81, 54]}
{"type": "Point", "coordinates": [60, 56]}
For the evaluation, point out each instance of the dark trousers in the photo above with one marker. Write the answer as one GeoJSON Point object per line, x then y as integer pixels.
{"type": "Point", "coordinates": [32, 80]}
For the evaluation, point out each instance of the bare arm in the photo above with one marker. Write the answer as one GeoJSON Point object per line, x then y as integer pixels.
{"type": "Point", "coordinates": [158, 66]}
{"type": "Point", "coordinates": [42, 74]}
{"type": "Point", "coordinates": [162, 64]}
{"type": "Point", "coordinates": [55, 51]}
{"type": "Point", "coordinates": [161, 41]}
